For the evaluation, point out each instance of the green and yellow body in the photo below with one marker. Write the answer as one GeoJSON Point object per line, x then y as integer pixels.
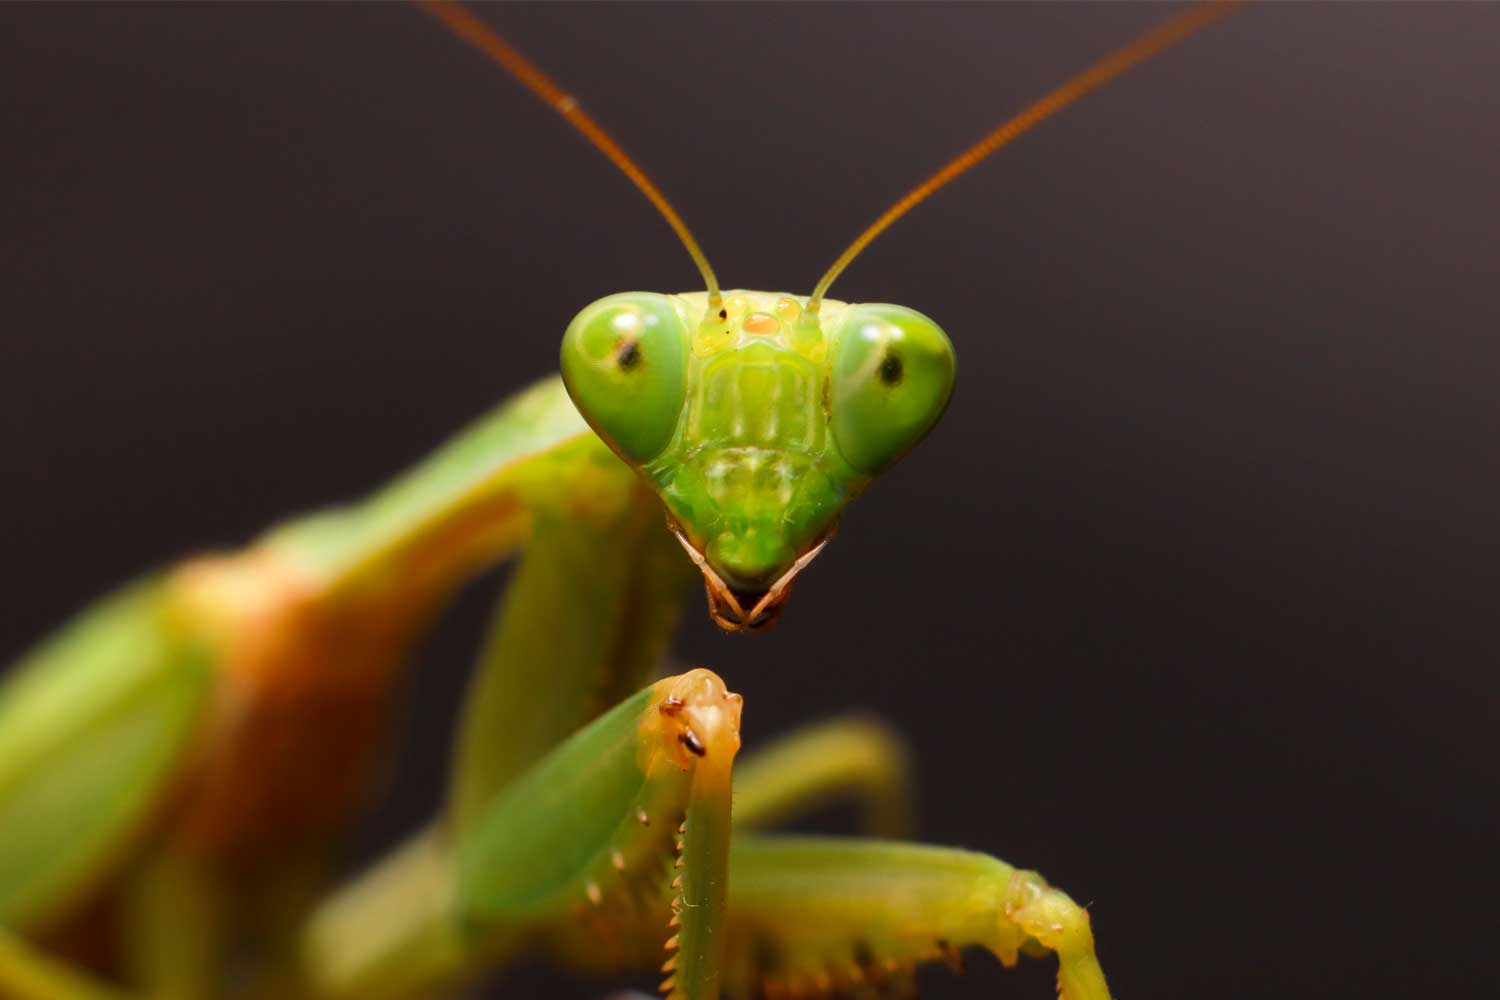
{"type": "Point", "coordinates": [179, 765]}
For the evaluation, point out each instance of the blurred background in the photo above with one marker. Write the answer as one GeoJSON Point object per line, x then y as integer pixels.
{"type": "Point", "coordinates": [1190, 601]}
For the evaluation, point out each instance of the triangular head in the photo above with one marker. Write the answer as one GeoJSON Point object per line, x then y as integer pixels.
{"type": "Point", "coordinates": [757, 421]}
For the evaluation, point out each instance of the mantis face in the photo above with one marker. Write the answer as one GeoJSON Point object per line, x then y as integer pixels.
{"type": "Point", "coordinates": [755, 422]}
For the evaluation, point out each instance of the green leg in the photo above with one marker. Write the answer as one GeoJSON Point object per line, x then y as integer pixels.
{"type": "Point", "coordinates": [813, 916]}
{"type": "Point", "coordinates": [174, 927]}
{"type": "Point", "coordinates": [810, 917]}
{"type": "Point", "coordinates": [584, 622]}
{"type": "Point", "coordinates": [392, 932]}
{"type": "Point", "coordinates": [94, 727]}
{"type": "Point", "coordinates": [852, 757]}
{"type": "Point", "coordinates": [614, 844]}
{"type": "Point", "coordinates": [563, 860]}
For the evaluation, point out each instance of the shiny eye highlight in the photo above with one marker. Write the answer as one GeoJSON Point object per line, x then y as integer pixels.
{"type": "Point", "coordinates": [893, 371]}
{"type": "Point", "coordinates": [624, 361]}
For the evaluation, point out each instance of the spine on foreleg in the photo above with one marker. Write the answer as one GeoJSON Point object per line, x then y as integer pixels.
{"type": "Point", "coordinates": [817, 916]}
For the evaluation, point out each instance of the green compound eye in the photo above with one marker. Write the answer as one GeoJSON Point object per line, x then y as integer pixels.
{"type": "Point", "coordinates": [893, 372]}
{"type": "Point", "coordinates": [624, 361]}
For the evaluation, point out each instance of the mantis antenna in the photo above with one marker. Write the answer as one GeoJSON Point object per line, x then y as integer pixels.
{"type": "Point", "coordinates": [1162, 37]}
{"type": "Point", "coordinates": [480, 35]}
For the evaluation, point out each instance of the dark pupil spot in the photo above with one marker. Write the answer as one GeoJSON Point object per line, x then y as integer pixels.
{"type": "Point", "coordinates": [690, 740]}
{"type": "Point", "coordinates": [890, 369]}
{"type": "Point", "coordinates": [629, 355]}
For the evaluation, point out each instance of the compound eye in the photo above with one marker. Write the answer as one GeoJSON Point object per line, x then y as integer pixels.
{"type": "Point", "coordinates": [893, 371]}
{"type": "Point", "coordinates": [624, 361]}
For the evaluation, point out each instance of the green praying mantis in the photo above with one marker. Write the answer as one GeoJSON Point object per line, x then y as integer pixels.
{"type": "Point", "coordinates": [179, 762]}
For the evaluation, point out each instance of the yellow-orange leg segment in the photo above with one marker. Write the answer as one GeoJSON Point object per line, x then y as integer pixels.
{"type": "Point", "coordinates": [811, 917]}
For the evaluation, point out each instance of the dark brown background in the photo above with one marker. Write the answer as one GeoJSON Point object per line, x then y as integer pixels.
{"type": "Point", "coordinates": [1190, 600]}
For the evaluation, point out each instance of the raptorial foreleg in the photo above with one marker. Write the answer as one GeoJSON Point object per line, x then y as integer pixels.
{"type": "Point", "coordinates": [609, 848]}
{"type": "Point", "coordinates": [815, 916]}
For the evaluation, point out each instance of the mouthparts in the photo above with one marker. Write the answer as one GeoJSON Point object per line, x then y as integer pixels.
{"type": "Point", "coordinates": [728, 607]}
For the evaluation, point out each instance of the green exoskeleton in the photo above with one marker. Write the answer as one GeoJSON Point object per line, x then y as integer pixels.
{"type": "Point", "coordinates": [753, 424]}
{"type": "Point", "coordinates": [178, 764]}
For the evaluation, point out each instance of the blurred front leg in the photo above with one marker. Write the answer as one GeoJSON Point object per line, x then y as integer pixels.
{"type": "Point", "coordinates": [27, 974]}
{"type": "Point", "coordinates": [853, 757]}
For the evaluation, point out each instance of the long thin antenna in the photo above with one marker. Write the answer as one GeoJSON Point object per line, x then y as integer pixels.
{"type": "Point", "coordinates": [1152, 42]}
{"type": "Point", "coordinates": [480, 35]}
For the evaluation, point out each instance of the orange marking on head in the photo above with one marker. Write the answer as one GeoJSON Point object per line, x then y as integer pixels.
{"type": "Point", "coordinates": [762, 324]}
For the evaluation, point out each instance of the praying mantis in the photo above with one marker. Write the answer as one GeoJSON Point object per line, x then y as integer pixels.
{"type": "Point", "coordinates": [202, 694]}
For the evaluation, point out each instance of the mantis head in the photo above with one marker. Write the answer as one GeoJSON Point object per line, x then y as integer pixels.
{"type": "Point", "coordinates": [755, 421]}
{"type": "Point", "coordinates": [757, 417]}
